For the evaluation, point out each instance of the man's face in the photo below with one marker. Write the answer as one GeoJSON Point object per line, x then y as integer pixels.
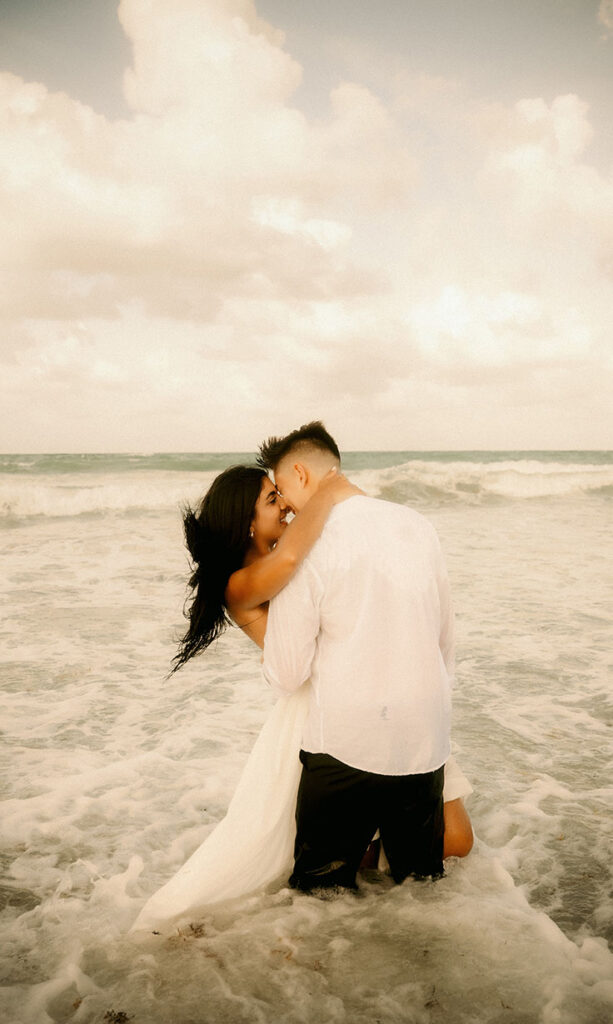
{"type": "Point", "coordinates": [288, 484]}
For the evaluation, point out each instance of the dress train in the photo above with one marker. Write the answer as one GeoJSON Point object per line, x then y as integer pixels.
{"type": "Point", "coordinates": [254, 844]}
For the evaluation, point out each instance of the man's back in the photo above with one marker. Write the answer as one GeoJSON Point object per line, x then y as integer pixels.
{"type": "Point", "coordinates": [368, 617]}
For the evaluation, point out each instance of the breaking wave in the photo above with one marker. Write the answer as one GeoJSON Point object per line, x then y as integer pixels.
{"type": "Point", "coordinates": [424, 480]}
{"type": "Point", "coordinates": [476, 481]}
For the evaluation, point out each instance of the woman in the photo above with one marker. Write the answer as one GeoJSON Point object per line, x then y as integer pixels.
{"type": "Point", "coordinates": [244, 552]}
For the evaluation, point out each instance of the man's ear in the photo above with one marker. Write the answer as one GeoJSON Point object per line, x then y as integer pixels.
{"type": "Point", "coordinates": [302, 473]}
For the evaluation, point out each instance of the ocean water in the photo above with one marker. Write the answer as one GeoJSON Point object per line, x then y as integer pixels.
{"type": "Point", "coordinates": [113, 775]}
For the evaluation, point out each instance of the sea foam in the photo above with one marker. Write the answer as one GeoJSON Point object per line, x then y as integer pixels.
{"type": "Point", "coordinates": [113, 774]}
{"type": "Point", "coordinates": [94, 490]}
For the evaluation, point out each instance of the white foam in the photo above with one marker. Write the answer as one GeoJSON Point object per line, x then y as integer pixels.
{"type": "Point", "coordinates": [79, 494]}
{"type": "Point", "coordinates": [74, 494]}
{"type": "Point", "coordinates": [458, 948]}
{"type": "Point", "coordinates": [469, 481]}
{"type": "Point", "coordinates": [114, 776]}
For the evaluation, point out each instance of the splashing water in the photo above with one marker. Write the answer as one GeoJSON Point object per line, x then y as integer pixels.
{"type": "Point", "coordinates": [113, 776]}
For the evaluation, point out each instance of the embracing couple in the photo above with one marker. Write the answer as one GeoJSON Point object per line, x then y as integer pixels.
{"type": "Point", "coordinates": [350, 602]}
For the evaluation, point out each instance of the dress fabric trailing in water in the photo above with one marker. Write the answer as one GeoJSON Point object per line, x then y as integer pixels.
{"type": "Point", "coordinates": [254, 844]}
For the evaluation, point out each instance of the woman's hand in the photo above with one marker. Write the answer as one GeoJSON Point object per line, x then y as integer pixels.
{"type": "Point", "coordinates": [337, 487]}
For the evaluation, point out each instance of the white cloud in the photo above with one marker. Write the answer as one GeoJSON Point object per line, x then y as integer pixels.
{"type": "Point", "coordinates": [287, 217]}
{"type": "Point", "coordinates": [172, 191]}
{"type": "Point", "coordinates": [219, 253]}
{"type": "Point", "coordinates": [507, 329]}
{"type": "Point", "coordinates": [200, 56]}
{"type": "Point", "coordinates": [605, 16]}
{"type": "Point", "coordinates": [544, 153]}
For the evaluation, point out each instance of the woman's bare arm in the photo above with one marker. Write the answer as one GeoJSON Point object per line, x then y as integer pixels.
{"type": "Point", "coordinates": [255, 627]}
{"type": "Point", "coordinates": [258, 582]}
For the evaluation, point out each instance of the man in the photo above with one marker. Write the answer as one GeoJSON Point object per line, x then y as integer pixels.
{"type": "Point", "coordinates": [368, 618]}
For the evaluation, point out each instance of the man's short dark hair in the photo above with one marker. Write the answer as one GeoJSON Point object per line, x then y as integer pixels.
{"type": "Point", "coordinates": [310, 435]}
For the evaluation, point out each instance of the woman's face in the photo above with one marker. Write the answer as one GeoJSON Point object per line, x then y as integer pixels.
{"type": "Point", "coordinates": [269, 515]}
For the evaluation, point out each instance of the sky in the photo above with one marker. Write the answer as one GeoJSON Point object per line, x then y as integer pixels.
{"type": "Point", "coordinates": [222, 219]}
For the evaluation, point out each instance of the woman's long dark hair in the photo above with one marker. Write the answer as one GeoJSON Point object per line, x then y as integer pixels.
{"type": "Point", "coordinates": [217, 537]}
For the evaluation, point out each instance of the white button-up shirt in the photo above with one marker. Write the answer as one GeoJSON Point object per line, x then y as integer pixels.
{"type": "Point", "coordinates": [368, 618]}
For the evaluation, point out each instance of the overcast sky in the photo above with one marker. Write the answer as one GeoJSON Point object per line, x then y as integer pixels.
{"type": "Point", "coordinates": [222, 218]}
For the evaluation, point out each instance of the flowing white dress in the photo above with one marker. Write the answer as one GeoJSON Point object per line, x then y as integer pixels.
{"type": "Point", "coordinates": [253, 845]}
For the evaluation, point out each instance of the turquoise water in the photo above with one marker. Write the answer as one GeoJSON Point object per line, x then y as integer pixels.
{"type": "Point", "coordinates": [206, 461]}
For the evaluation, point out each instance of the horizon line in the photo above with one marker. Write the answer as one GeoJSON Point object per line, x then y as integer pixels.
{"type": "Point", "coordinates": [346, 451]}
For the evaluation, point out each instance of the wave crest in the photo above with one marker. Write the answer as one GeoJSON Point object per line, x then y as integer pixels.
{"type": "Point", "coordinates": [75, 496]}
{"type": "Point", "coordinates": [412, 482]}
{"type": "Point", "coordinates": [476, 481]}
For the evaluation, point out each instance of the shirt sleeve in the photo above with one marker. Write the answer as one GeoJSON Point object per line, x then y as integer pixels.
{"type": "Point", "coordinates": [447, 619]}
{"type": "Point", "coordinates": [291, 634]}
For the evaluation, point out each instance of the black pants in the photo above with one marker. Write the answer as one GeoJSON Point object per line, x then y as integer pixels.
{"type": "Point", "coordinates": [340, 808]}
